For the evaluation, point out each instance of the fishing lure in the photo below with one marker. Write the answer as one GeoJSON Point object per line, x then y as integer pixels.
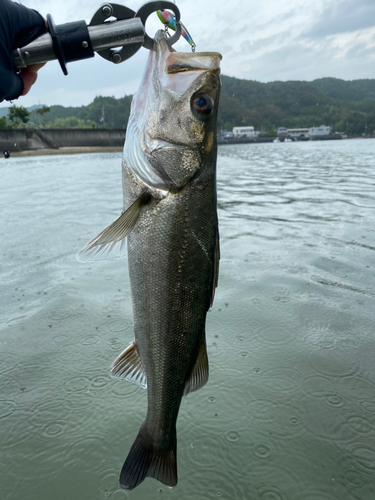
{"type": "Point", "coordinates": [169, 20]}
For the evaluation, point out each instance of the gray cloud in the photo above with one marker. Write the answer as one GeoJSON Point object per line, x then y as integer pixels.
{"type": "Point", "coordinates": [280, 18]}
{"type": "Point", "coordinates": [248, 48]}
{"type": "Point", "coordinates": [360, 50]}
{"type": "Point", "coordinates": [302, 62]}
{"type": "Point", "coordinates": [343, 17]}
{"type": "Point", "coordinates": [254, 46]}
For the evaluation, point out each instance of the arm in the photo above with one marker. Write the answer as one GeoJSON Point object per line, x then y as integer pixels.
{"type": "Point", "coordinates": [18, 27]}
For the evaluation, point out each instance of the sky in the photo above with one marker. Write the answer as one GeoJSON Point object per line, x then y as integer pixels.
{"type": "Point", "coordinates": [264, 41]}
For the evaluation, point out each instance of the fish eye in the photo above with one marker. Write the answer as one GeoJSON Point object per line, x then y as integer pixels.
{"type": "Point", "coordinates": [202, 104]}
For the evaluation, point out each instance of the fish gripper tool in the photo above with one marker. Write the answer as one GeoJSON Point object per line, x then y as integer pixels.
{"type": "Point", "coordinates": [115, 32]}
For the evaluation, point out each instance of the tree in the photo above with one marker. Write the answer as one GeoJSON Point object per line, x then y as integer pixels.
{"type": "Point", "coordinates": [71, 122]}
{"type": "Point", "coordinates": [18, 114]}
{"type": "Point", "coordinates": [3, 122]}
{"type": "Point", "coordinates": [42, 111]}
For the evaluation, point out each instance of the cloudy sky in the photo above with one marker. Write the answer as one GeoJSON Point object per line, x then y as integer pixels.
{"type": "Point", "coordinates": [264, 41]}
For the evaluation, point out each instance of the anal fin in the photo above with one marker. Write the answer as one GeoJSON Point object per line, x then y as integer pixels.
{"type": "Point", "coordinates": [199, 374]}
{"type": "Point", "coordinates": [129, 366]}
{"type": "Point", "coordinates": [216, 265]}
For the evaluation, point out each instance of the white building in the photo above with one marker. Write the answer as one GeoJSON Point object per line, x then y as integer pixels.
{"type": "Point", "coordinates": [317, 131]}
{"type": "Point", "coordinates": [282, 131]}
{"type": "Point", "coordinates": [243, 132]}
{"type": "Point", "coordinates": [298, 132]}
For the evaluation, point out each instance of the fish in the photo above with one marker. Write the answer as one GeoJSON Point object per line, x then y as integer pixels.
{"type": "Point", "coordinates": [170, 228]}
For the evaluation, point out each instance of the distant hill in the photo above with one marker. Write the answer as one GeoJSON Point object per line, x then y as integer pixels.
{"type": "Point", "coordinates": [296, 104]}
{"type": "Point", "coordinates": [352, 91]}
{"type": "Point", "coordinates": [346, 106]}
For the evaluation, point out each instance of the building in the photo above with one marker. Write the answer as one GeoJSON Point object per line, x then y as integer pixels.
{"type": "Point", "coordinates": [295, 133]}
{"type": "Point", "coordinates": [243, 132]}
{"type": "Point", "coordinates": [228, 135]}
{"type": "Point", "coordinates": [319, 131]}
{"type": "Point", "coordinates": [282, 132]}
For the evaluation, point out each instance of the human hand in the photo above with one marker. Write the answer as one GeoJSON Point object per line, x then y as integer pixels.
{"type": "Point", "coordinates": [29, 76]}
{"type": "Point", "coordinates": [18, 27]}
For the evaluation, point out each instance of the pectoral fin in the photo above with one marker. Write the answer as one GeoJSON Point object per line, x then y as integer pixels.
{"type": "Point", "coordinates": [199, 374]}
{"type": "Point", "coordinates": [110, 242]}
{"type": "Point", "coordinates": [129, 366]}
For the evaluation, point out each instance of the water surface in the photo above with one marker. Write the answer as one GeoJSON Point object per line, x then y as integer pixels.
{"type": "Point", "coordinates": [289, 410]}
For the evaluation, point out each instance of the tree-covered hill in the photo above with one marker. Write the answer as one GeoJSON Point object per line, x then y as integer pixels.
{"type": "Point", "coordinates": [352, 91]}
{"type": "Point", "coordinates": [293, 104]}
{"type": "Point", "coordinates": [346, 106]}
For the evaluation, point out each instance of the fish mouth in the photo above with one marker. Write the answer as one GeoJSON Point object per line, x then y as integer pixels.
{"type": "Point", "coordinates": [155, 145]}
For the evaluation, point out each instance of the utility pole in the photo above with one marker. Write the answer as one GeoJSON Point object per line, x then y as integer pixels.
{"type": "Point", "coordinates": [102, 119]}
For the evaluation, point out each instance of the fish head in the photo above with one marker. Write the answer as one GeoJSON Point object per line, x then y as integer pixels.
{"type": "Point", "coordinates": [171, 132]}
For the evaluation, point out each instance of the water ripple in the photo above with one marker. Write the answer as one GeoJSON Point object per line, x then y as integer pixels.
{"type": "Point", "coordinates": [263, 409]}
{"type": "Point", "coordinates": [7, 408]}
{"type": "Point", "coordinates": [261, 451]}
{"type": "Point", "coordinates": [275, 334]}
{"type": "Point", "coordinates": [53, 429]}
{"type": "Point", "coordinates": [278, 380]}
{"type": "Point", "coordinates": [333, 363]}
{"type": "Point", "coordinates": [206, 451]}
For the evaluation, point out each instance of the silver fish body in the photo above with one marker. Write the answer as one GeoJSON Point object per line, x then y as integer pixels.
{"type": "Point", "coordinates": [169, 183]}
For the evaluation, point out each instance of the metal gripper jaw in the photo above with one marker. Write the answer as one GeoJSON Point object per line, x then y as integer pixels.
{"type": "Point", "coordinates": [115, 32]}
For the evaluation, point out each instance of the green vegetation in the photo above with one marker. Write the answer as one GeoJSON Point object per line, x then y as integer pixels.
{"type": "Point", "coordinates": [71, 122]}
{"type": "Point", "coordinates": [298, 104]}
{"type": "Point", "coordinates": [42, 111]}
{"type": "Point", "coordinates": [103, 112]}
{"type": "Point", "coordinates": [3, 122]}
{"type": "Point", "coordinates": [353, 91]}
{"type": "Point", "coordinates": [18, 115]}
{"type": "Point", "coordinates": [346, 106]}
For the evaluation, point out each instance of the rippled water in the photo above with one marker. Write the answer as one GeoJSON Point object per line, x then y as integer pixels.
{"type": "Point", "coordinates": [289, 410]}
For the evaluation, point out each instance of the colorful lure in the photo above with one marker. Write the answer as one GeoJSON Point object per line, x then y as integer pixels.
{"type": "Point", "coordinates": [169, 20]}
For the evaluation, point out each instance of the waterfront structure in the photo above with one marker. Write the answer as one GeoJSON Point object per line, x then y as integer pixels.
{"type": "Point", "coordinates": [319, 131]}
{"type": "Point", "coordinates": [239, 132]}
{"type": "Point", "coordinates": [295, 133]}
{"type": "Point", "coordinates": [282, 132]}
{"type": "Point", "coordinates": [227, 135]}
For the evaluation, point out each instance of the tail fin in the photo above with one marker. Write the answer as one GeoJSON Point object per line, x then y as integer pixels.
{"type": "Point", "coordinates": [144, 460]}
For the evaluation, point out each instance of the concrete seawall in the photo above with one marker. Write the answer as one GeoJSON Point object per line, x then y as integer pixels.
{"type": "Point", "coordinates": [30, 139]}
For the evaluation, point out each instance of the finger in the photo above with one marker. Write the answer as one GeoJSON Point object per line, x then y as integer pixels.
{"type": "Point", "coordinates": [28, 79]}
{"type": "Point", "coordinates": [33, 68]}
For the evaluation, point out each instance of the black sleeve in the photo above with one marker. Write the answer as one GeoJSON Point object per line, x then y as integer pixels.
{"type": "Point", "coordinates": [18, 27]}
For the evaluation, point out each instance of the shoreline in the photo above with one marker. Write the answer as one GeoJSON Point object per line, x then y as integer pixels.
{"type": "Point", "coordinates": [72, 150]}
{"type": "Point", "coordinates": [67, 151]}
